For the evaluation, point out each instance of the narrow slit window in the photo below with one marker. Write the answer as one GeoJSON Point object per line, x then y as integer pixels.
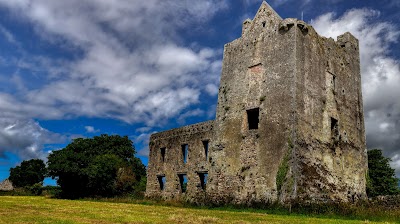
{"type": "Point", "coordinates": [183, 182]}
{"type": "Point", "coordinates": [333, 82]}
{"type": "Point", "coordinates": [185, 149]}
{"type": "Point", "coordinates": [203, 180]}
{"type": "Point", "coordinates": [205, 144]}
{"type": "Point", "coordinates": [162, 152]}
{"type": "Point", "coordinates": [334, 128]}
{"type": "Point", "coordinates": [263, 24]}
{"type": "Point", "coordinates": [161, 182]}
{"type": "Point", "coordinates": [252, 118]}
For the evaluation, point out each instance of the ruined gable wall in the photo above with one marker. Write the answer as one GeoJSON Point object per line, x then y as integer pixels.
{"type": "Point", "coordinates": [173, 165]}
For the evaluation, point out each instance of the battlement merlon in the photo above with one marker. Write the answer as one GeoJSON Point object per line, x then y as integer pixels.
{"type": "Point", "coordinates": [185, 130]}
{"type": "Point", "coordinates": [347, 40]}
{"type": "Point", "coordinates": [246, 25]}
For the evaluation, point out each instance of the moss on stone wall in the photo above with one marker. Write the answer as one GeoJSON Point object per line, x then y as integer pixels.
{"type": "Point", "coordinates": [283, 167]}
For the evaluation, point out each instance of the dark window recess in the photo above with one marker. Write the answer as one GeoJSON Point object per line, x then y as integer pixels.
{"type": "Point", "coordinates": [334, 82]}
{"type": "Point", "coordinates": [334, 131]}
{"type": "Point", "coordinates": [203, 180]}
{"type": "Point", "coordinates": [185, 149]}
{"type": "Point", "coordinates": [263, 23]}
{"type": "Point", "coordinates": [205, 144]}
{"type": "Point", "coordinates": [252, 118]}
{"type": "Point", "coordinates": [161, 181]}
{"type": "Point", "coordinates": [162, 151]}
{"type": "Point", "coordinates": [183, 182]}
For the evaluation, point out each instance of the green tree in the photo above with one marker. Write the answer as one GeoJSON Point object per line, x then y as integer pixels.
{"type": "Point", "coordinates": [381, 177]}
{"type": "Point", "coordinates": [89, 167]}
{"type": "Point", "coordinates": [30, 172]}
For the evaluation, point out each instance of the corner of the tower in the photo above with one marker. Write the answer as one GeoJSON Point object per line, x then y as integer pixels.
{"type": "Point", "coordinates": [329, 124]}
{"type": "Point", "coordinates": [347, 38]}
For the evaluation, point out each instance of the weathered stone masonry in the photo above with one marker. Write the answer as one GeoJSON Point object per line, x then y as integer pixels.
{"type": "Point", "coordinates": [178, 155]}
{"type": "Point", "coordinates": [289, 123]}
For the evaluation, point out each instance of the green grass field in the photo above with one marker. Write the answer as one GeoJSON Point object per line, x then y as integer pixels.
{"type": "Point", "coordinates": [23, 209]}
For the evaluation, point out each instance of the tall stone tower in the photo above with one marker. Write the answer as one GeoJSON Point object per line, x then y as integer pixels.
{"type": "Point", "coordinates": [289, 123]}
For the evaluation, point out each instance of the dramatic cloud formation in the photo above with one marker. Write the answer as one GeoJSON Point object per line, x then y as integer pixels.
{"type": "Point", "coordinates": [380, 74]}
{"type": "Point", "coordinates": [146, 77]}
{"type": "Point", "coordinates": [127, 63]}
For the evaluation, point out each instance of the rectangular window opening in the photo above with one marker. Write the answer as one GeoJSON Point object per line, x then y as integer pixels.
{"type": "Point", "coordinates": [162, 151]}
{"type": "Point", "coordinates": [183, 182]}
{"type": "Point", "coordinates": [203, 180]}
{"type": "Point", "coordinates": [161, 182]}
{"type": "Point", "coordinates": [185, 149]}
{"type": "Point", "coordinates": [205, 144]}
{"type": "Point", "coordinates": [252, 118]}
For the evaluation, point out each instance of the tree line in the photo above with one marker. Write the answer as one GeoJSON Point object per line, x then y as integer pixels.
{"type": "Point", "coordinates": [106, 166]}
{"type": "Point", "coordinates": [102, 166]}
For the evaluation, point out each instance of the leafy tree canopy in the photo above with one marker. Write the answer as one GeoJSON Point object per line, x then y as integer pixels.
{"type": "Point", "coordinates": [30, 172]}
{"type": "Point", "coordinates": [94, 166]}
{"type": "Point", "coordinates": [381, 177]}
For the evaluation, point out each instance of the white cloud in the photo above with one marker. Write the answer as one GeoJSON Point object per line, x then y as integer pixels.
{"type": "Point", "coordinates": [131, 67]}
{"type": "Point", "coordinates": [143, 141]}
{"type": "Point", "coordinates": [91, 129]}
{"type": "Point", "coordinates": [192, 113]}
{"type": "Point", "coordinates": [130, 63]}
{"type": "Point", "coordinates": [25, 138]}
{"type": "Point", "coordinates": [380, 73]}
{"type": "Point", "coordinates": [212, 89]}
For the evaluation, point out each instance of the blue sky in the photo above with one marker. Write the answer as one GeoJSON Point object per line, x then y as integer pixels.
{"type": "Point", "coordinates": [80, 68]}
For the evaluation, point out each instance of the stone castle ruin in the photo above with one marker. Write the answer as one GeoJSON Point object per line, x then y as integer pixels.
{"type": "Point", "coordinates": [289, 123]}
{"type": "Point", "coordinates": [6, 185]}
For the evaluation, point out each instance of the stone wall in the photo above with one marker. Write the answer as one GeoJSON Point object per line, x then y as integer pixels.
{"type": "Point", "coordinates": [289, 123]}
{"type": "Point", "coordinates": [255, 82]}
{"type": "Point", "coordinates": [168, 165]}
{"type": "Point", "coordinates": [6, 185]}
{"type": "Point", "coordinates": [330, 160]}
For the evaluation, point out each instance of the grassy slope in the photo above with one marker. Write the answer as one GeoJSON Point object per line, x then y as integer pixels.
{"type": "Point", "coordinates": [20, 209]}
